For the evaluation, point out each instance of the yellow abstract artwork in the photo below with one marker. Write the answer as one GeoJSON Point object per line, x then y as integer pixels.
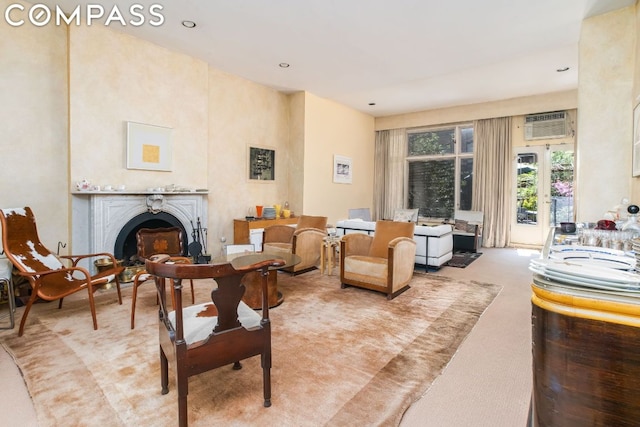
{"type": "Point", "coordinates": [150, 153]}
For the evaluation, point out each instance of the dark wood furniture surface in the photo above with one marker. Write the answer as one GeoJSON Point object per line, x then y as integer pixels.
{"type": "Point", "coordinates": [153, 241]}
{"type": "Point", "coordinates": [586, 357]}
{"type": "Point", "coordinates": [242, 227]}
{"type": "Point", "coordinates": [253, 281]}
{"type": "Point", "coordinates": [227, 338]}
{"type": "Point", "coordinates": [49, 277]}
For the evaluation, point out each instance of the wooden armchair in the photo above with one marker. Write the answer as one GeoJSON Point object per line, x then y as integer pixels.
{"type": "Point", "coordinates": [153, 241]}
{"type": "Point", "coordinates": [305, 240]}
{"type": "Point", "coordinates": [206, 336]}
{"type": "Point", "coordinates": [383, 262]}
{"type": "Point", "coordinates": [52, 277]}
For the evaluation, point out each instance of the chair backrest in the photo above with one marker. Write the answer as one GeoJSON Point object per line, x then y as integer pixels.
{"type": "Point", "coordinates": [153, 241]}
{"type": "Point", "coordinates": [472, 217]}
{"type": "Point", "coordinates": [385, 232]}
{"type": "Point", "coordinates": [22, 244]}
{"type": "Point", "coordinates": [309, 221]}
{"type": "Point", "coordinates": [360, 213]}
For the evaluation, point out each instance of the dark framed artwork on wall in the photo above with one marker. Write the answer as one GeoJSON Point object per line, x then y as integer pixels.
{"type": "Point", "coordinates": [262, 163]}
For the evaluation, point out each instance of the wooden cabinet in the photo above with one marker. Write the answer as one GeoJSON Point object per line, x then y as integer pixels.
{"type": "Point", "coordinates": [242, 227]}
{"type": "Point", "coordinates": [586, 356]}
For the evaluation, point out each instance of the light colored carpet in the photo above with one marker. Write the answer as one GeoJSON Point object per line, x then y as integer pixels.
{"type": "Point", "coordinates": [339, 356]}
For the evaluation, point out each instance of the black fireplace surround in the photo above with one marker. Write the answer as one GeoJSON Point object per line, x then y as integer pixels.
{"type": "Point", "coordinates": [126, 245]}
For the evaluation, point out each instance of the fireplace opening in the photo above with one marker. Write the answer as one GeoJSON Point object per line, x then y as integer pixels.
{"type": "Point", "coordinates": [126, 245]}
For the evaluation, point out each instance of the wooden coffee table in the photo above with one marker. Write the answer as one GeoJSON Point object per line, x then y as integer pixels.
{"type": "Point", "coordinates": [252, 281]}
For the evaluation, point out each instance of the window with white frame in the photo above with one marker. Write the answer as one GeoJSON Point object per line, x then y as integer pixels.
{"type": "Point", "coordinates": [440, 170]}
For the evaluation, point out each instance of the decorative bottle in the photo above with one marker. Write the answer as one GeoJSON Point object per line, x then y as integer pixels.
{"type": "Point", "coordinates": [632, 222]}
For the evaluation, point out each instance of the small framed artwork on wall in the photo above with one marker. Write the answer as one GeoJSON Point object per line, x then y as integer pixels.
{"type": "Point", "coordinates": [636, 141]}
{"type": "Point", "coordinates": [342, 170]}
{"type": "Point", "coordinates": [262, 163]}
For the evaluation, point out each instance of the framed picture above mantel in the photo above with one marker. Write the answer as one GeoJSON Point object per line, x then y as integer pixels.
{"type": "Point", "coordinates": [149, 147]}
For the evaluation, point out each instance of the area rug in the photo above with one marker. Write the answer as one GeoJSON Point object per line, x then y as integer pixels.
{"type": "Point", "coordinates": [462, 259]}
{"type": "Point", "coordinates": [340, 357]}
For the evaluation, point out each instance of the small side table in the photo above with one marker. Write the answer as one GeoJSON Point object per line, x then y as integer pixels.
{"type": "Point", "coordinates": [330, 245]}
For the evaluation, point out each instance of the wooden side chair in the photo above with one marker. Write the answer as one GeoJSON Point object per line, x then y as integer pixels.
{"type": "Point", "coordinates": [52, 277]}
{"type": "Point", "coordinates": [153, 241]}
{"type": "Point", "coordinates": [383, 262]}
{"type": "Point", "coordinates": [206, 336]}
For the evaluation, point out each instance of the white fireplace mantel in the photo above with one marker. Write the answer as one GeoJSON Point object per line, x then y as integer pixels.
{"type": "Point", "coordinates": [98, 217]}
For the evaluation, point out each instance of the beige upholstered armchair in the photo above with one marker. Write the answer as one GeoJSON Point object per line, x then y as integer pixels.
{"type": "Point", "coordinates": [383, 262]}
{"type": "Point", "coordinates": [305, 240]}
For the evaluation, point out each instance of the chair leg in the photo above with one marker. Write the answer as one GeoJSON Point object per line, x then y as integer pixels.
{"type": "Point", "coordinates": [182, 382]}
{"type": "Point", "coordinates": [193, 295]}
{"type": "Point", "coordinates": [92, 304]}
{"type": "Point", "coordinates": [115, 279]}
{"type": "Point", "coordinates": [60, 303]}
{"type": "Point", "coordinates": [164, 372]}
{"type": "Point", "coordinates": [266, 379]}
{"type": "Point", "coordinates": [32, 299]}
{"type": "Point", "coordinates": [134, 294]}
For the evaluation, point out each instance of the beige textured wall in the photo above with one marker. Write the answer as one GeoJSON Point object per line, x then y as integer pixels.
{"type": "Point", "coordinates": [33, 119]}
{"type": "Point", "coordinates": [296, 179]}
{"type": "Point", "coordinates": [331, 128]}
{"type": "Point", "coordinates": [607, 48]}
{"type": "Point", "coordinates": [115, 78]}
{"type": "Point", "coordinates": [243, 113]}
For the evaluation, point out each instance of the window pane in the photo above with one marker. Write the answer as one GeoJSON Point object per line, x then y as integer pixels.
{"type": "Point", "coordinates": [527, 191]}
{"type": "Point", "coordinates": [466, 184]}
{"type": "Point", "coordinates": [562, 165]}
{"type": "Point", "coordinates": [432, 187]}
{"type": "Point", "coordinates": [432, 142]}
{"type": "Point", "coordinates": [466, 145]}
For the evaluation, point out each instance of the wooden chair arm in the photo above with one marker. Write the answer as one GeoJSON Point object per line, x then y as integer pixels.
{"type": "Point", "coordinates": [398, 240]}
{"type": "Point", "coordinates": [76, 258]}
{"type": "Point", "coordinates": [298, 231]}
{"type": "Point", "coordinates": [58, 271]}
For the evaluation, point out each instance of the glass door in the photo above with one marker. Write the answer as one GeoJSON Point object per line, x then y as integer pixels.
{"type": "Point", "coordinates": [543, 192]}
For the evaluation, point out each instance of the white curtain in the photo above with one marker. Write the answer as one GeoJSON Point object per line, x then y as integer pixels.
{"type": "Point", "coordinates": [389, 180]}
{"type": "Point", "coordinates": [492, 179]}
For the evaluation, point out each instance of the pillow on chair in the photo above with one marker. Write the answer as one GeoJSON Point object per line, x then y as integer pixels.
{"type": "Point", "coordinates": [460, 225]}
{"type": "Point", "coordinates": [406, 215]}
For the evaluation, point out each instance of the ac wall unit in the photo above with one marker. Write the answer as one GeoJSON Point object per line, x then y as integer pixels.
{"type": "Point", "coordinates": [545, 125]}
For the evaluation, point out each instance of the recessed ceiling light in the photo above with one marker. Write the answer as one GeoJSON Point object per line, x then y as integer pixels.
{"type": "Point", "coordinates": [563, 69]}
{"type": "Point", "coordinates": [188, 24]}
{"type": "Point", "coordinates": [372, 103]}
{"type": "Point", "coordinates": [283, 65]}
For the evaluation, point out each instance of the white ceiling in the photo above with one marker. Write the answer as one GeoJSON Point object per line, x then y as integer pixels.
{"type": "Point", "coordinates": [404, 55]}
